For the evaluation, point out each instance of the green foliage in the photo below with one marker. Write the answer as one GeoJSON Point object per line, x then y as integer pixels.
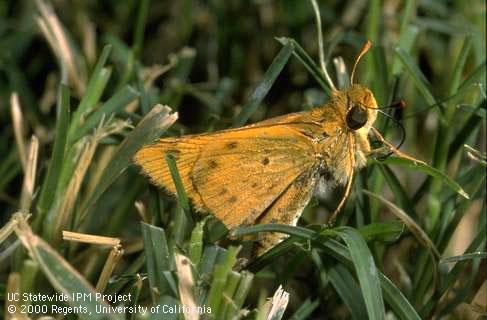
{"type": "Point", "coordinates": [95, 83]}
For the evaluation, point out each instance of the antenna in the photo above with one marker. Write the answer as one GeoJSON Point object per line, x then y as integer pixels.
{"type": "Point", "coordinates": [364, 49]}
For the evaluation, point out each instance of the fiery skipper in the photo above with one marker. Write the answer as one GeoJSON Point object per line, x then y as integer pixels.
{"type": "Point", "coordinates": [267, 172]}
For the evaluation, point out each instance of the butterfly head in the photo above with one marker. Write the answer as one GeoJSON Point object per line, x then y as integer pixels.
{"type": "Point", "coordinates": [360, 108]}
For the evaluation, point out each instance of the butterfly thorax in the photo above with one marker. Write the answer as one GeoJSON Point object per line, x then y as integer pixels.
{"type": "Point", "coordinates": [345, 124]}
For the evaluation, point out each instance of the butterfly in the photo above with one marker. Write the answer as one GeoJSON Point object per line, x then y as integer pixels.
{"type": "Point", "coordinates": [268, 171]}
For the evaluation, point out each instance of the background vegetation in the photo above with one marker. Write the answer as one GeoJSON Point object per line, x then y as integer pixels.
{"type": "Point", "coordinates": [80, 84]}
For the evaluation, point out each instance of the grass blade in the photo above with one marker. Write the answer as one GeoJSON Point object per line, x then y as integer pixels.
{"type": "Point", "coordinates": [346, 287]}
{"type": "Point", "coordinates": [308, 63]}
{"type": "Point", "coordinates": [219, 280]}
{"type": "Point", "coordinates": [382, 231]}
{"type": "Point", "coordinates": [96, 85]}
{"type": "Point", "coordinates": [435, 173]}
{"type": "Point", "coordinates": [415, 229]}
{"type": "Point", "coordinates": [62, 276]}
{"type": "Point", "coordinates": [264, 86]}
{"type": "Point", "coordinates": [176, 177]}
{"type": "Point", "coordinates": [158, 258]}
{"type": "Point", "coordinates": [418, 77]}
{"type": "Point", "coordinates": [148, 129]}
{"type": "Point", "coordinates": [116, 103]}
{"type": "Point", "coordinates": [366, 271]}
{"type": "Point", "coordinates": [49, 186]}
{"type": "Point", "coordinates": [399, 193]}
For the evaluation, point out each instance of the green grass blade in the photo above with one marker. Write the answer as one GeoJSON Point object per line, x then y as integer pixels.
{"type": "Point", "coordinates": [196, 243]}
{"type": "Point", "coordinates": [240, 294]}
{"type": "Point", "coordinates": [96, 85]}
{"type": "Point", "coordinates": [89, 101]}
{"type": "Point", "coordinates": [220, 277]}
{"type": "Point", "coordinates": [396, 300]}
{"type": "Point", "coordinates": [348, 290]}
{"type": "Point", "coordinates": [400, 195]}
{"type": "Point", "coordinates": [159, 258]}
{"type": "Point", "coordinates": [415, 229]}
{"type": "Point", "coordinates": [176, 177]}
{"type": "Point", "coordinates": [406, 41]}
{"type": "Point", "coordinates": [366, 271]}
{"type": "Point", "coordinates": [459, 65]}
{"type": "Point", "coordinates": [474, 77]}
{"type": "Point", "coordinates": [463, 257]}
{"type": "Point", "coordinates": [424, 168]}
{"type": "Point", "coordinates": [465, 132]}
{"type": "Point", "coordinates": [275, 227]}
{"type": "Point", "coordinates": [264, 86]}
{"type": "Point", "coordinates": [418, 77]}
{"type": "Point", "coordinates": [308, 63]}
{"type": "Point", "coordinates": [115, 104]}
{"type": "Point", "coordinates": [305, 310]}
{"type": "Point", "coordinates": [48, 189]}
{"type": "Point", "coordinates": [382, 231]}
{"type": "Point", "coordinates": [453, 275]}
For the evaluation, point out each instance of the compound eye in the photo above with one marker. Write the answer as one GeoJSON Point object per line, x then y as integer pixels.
{"type": "Point", "coordinates": [356, 117]}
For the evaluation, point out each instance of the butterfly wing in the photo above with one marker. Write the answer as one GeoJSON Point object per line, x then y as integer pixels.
{"type": "Point", "coordinates": [239, 175]}
{"type": "Point", "coordinates": [235, 174]}
{"type": "Point", "coordinates": [286, 209]}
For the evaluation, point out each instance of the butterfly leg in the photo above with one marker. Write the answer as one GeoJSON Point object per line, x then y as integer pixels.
{"type": "Point", "coordinates": [391, 148]}
{"type": "Point", "coordinates": [286, 210]}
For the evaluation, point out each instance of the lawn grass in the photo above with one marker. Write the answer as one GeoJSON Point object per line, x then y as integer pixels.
{"type": "Point", "coordinates": [84, 85]}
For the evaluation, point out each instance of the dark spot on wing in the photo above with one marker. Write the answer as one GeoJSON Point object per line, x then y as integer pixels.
{"type": "Point", "coordinates": [231, 145]}
{"type": "Point", "coordinates": [223, 191]}
{"type": "Point", "coordinates": [265, 161]}
{"type": "Point", "coordinates": [232, 199]}
{"type": "Point", "coordinates": [254, 185]}
{"type": "Point", "coordinates": [212, 164]}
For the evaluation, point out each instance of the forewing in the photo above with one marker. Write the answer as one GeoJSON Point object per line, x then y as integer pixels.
{"type": "Point", "coordinates": [240, 173]}
{"type": "Point", "coordinates": [185, 150]}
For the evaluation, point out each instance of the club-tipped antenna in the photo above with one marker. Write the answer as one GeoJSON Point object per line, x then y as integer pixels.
{"type": "Point", "coordinates": [364, 49]}
{"type": "Point", "coordinates": [316, 9]}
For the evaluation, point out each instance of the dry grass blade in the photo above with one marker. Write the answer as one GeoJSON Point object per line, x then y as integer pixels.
{"type": "Point", "coordinates": [30, 176]}
{"type": "Point", "coordinates": [7, 229]}
{"type": "Point", "coordinates": [278, 304]}
{"type": "Point", "coordinates": [412, 226]}
{"type": "Point", "coordinates": [90, 238]}
{"type": "Point", "coordinates": [60, 273]}
{"type": "Point", "coordinates": [113, 258]}
{"type": "Point", "coordinates": [186, 285]}
{"type": "Point", "coordinates": [89, 39]}
{"type": "Point", "coordinates": [66, 206]}
{"type": "Point", "coordinates": [54, 32]}
{"type": "Point", "coordinates": [18, 124]}
{"type": "Point", "coordinates": [13, 289]}
{"type": "Point", "coordinates": [316, 10]}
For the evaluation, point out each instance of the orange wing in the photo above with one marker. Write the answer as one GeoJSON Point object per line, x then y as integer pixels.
{"type": "Point", "coordinates": [235, 174]}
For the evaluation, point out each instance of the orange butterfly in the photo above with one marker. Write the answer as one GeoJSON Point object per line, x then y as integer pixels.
{"type": "Point", "coordinates": [267, 172]}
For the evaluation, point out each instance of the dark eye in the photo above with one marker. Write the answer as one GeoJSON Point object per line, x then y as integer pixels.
{"type": "Point", "coordinates": [356, 117]}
